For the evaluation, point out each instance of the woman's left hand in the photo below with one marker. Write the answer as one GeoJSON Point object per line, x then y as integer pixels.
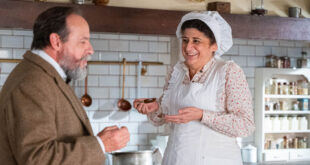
{"type": "Point", "coordinates": [185, 115]}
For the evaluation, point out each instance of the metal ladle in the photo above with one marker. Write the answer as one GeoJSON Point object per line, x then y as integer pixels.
{"type": "Point", "coordinates": [122, 103]}
{"type": "Point", "coordinates": [86, 99]}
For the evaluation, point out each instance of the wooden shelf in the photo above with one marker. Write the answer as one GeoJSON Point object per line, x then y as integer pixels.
{"type": "Point", "coordinates": [21, 15]}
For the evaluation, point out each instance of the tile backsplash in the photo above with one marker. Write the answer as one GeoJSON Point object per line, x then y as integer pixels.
{"type": "Point", "coordinates": [104, 81]}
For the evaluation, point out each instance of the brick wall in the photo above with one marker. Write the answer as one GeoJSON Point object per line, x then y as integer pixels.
{"type": "Point", "coordinates": [105, 80]}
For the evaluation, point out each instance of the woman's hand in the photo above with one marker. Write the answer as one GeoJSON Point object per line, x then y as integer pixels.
{"type": "Point", "coordinates": [145, 108]}
{"type": "Point", "coordinates": [185, 115]}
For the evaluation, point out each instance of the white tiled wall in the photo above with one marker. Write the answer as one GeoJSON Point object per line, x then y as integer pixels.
{"type": "Point", "coordinates": [105, 80]}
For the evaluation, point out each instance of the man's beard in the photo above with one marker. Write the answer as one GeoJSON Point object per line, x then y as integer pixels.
{"type": "Point", "coordinates": [72, 68]}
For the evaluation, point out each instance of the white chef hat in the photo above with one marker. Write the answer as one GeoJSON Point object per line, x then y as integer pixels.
{"type": "Point", "coordinates": [220, 28]}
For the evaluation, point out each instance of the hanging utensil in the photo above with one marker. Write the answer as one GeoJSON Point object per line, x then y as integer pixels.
{"type": "Point", "coordinates": [86, 99]}
{"type": "Point", "coordinates": [123, 104]}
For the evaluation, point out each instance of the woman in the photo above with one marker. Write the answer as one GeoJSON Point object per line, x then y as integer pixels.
{"type": "Point", "coordinates": [206, 100]}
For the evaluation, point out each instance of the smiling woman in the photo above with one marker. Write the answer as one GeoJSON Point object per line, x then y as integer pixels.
{"type": "Point", "coordinates": [206, 99]}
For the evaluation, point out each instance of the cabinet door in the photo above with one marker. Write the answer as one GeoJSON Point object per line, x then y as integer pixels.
{"type": "Point", "coordinates": [302, 154]}
{"type": "Point", "coordinates": [276, 155]}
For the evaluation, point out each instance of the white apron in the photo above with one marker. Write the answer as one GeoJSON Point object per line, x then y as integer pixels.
{"type": "Point", "coordinates": [194, 143]}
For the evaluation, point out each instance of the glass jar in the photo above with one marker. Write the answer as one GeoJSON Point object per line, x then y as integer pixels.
{"type": "Point", "coordinates": [284, 124]}
{"type": "Point", "coordinates": [293, 123]}
{"type": "Point", "coordinates": [271, 61]}
{"type": "Point", "coordinates": [292, 88]}
{"type": "Point", "coordinates": [268, 86]}
{"type": "Point", "coordinates": [280, 91]}
{"type": "Point", "coordinates": [303, 61]}
{"type": "Point", "coordinates": [274, 86]}
{"type": "Point", "coordinates": [268, 123]}
{"type": "Point", "coordinates": [302, 123]}
{"type": "Point", "coordinates": [285, 62]}
{"type": "Point", "coordinates": [295, 105]}
{"type": "Point", "coordinates": [285, 88]}
{"type": "Point", "coordinates": [275, 123]}
{"type": "Point", "coordinates": [303, 104]}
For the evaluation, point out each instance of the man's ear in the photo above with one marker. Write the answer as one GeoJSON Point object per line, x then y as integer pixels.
{"type": "Point", "coordinates": [55, 41]}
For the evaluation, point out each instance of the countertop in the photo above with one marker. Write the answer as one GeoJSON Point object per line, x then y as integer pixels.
{"type": "Point", "coordinates": [281, 163]}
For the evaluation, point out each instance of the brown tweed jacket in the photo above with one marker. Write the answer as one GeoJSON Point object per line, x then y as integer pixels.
{"type": "Point", "coordinates": [42, 121]}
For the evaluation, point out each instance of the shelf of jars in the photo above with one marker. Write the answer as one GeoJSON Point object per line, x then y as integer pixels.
{"type": "Point", "coordinates": [282, 114]}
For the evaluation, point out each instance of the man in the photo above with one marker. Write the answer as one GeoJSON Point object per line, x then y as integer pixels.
{"type": "Point", "coordinates": [41, 119]}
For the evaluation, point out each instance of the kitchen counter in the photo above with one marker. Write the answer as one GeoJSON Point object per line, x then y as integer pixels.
{"type": "Point", "coordinates": [280, 163]}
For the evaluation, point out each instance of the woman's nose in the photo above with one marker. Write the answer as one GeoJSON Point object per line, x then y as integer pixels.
{"type": "Point", "coordinates": [189, 46]}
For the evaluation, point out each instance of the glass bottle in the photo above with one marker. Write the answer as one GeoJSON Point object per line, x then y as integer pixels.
{"type": "Point", "coordinates": [274, 86]}
{"type": "Point", "coordinates": [268, 86]}
{"type": "Point", "coordinates": [285, 89]}
{"type": "Point", "coordinates": [302, 62]}
{"type": "Point", "coordinates": [305, 87]}
{"type": "Point", "coordinates": [280, 91]}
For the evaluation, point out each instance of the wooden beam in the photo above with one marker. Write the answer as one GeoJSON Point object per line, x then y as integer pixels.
{"type": "Point", "coordinates": [21, 15]}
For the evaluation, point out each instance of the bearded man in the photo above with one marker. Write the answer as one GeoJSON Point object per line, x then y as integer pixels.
{"type": "Point", "coordinates": [41, 119]}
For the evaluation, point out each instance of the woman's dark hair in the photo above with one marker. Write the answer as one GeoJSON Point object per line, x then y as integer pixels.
{"type": "Point", "coordinates": [201, 26]}
{"type": "Point", "coordinates": [51, 21]}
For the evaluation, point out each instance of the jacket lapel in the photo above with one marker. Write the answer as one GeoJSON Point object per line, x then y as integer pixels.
{"type": "Point", "coordinates": [65, 88]}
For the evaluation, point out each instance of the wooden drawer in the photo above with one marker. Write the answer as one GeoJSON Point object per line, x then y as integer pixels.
{"type": "Point", "coordinates": [300, 154]}
{"type": "Point", "coordinates": [276, 155]}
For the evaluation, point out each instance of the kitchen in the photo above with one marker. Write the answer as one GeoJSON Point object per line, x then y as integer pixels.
{"type": "Point", "coordinates": [154, 43]}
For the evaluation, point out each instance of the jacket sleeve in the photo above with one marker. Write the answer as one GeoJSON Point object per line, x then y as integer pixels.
{"type": "Point", "coordinates": [237, 119]}
{"type": "Point", "coordinates": [33, 134]}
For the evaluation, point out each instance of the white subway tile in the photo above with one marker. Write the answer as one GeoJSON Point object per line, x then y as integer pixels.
{"type": "Point", "coordinates": [107, 124]}
{"type": "Point", "coordinates": [234, 50]}
{"type": "Point", "coordinates": [250, 82]}
{"type": "Point", "coordinates": [94, 35]}
{"type": "Point", "coordinates": [117, 45]}
{"type": "Point", "coordinates": [226, 57]}
{"type": "Point", "coordinates": [130, 56]}
{"type": "Point", "coordinates": [6, 32]}
{"type": "Point", "coordinates": [130, 81]}
{"type": "Point", "coordinates": [263, 50]}
{"type": "Point", "coordinates": [109, 81]}
{"type": "Point", "coordinates": [147, 127]}
{"type": "Point", "coordinates": [129, 148]}
{"type": "Point", "coordinates": [157, 70]}
{"type": "Point", "coordinates": [271, 43]}
{"type": "Point", "coordinates": [132, 93]}
{"type": "Point", "coordinates": [249, 71]}
{"type": "Point", "coordinates": [27, 42]}
{"type": "Point", "coordinates": [6, 53]}
{"type": "Point", "coordinates": [150, 57]}
{"type": "Point", "coordinates": [99, 44]}
{"type": "Point", "coordinates": [3, 77]}
{"type": "Point", "coordinates": [129, 37]}
{"type": "Point", "coordinates": [247, 50]}
{"type": "Point", "coordinates": [255, 61]}
{"type": "Point", "coordinates": [135, 116]}
{"type": "Point", "coordinates": [109, 56]}
{"type": "Point", "coordinates": [95, 56]}
{"type": "Point", "coordinates": [163, 38]}
{"type": "Point", "coordinates": [155, 92]}
{"type": "Point", "coordinates": [147, 81]}
{"type": "Point", "coordinates": [164, 58]}
{"type": "Point", "coordinates": [107, 104]}
{"type": "Point", "coordinates": [109, 36]}
{"type": "Point", "coordinates": [11, 41]}
{"type": "Point", "coordinates": [144, 93]}
{"type": "Point", "coordinates": [119, 116]}
{"type": "Point", "coordinates": [132, 69]}
{"type": "Point", "coordinates": [115, 69]}
{"type": "Point", "coordinates": [240, 60]}
{"type": "Point", "coordinates": [302, 44]}
{"type": "Point", "coordinates": [279, 51]}
{"type": "Point", "coordinates": [7, 67]}
{"type": "Point", "coordinates": [22, 33]}
{"type": "Point", "coordinates": [237, 41]}
{"type": "Point", "coordinates": [95, 127]}
{"type": "Point", "coordinates": [294, 52]}
{"type": "Point", "coordinates": [19, 53]}
{"type": "Point", "coordinates": [161, 81]}
{"type": "Point", "coordinates": [255, 42]}
{"type": "Point", "coordinates": [287, 43]}
{"type": "Point", "coordinates": [98, 69]}
{"type": "Point", "coordinates": [132, 127]}
{"type": "Point", "coordinates": [98, 92]}
{"type": "Point", "coordinates": [115, 93]}
{"type": "Point", "coordinates": [138, 46]}
{"type": "Point", "coordinates": [148, 38]}
{"type": "Point", "coordinates": [138, 139]}
{"type": "Point", "coordinates": [98, 116]}
{"type": "Point", "coordinates": [93, 81]}
{"type": "Point", "coordinates": [158, 47]}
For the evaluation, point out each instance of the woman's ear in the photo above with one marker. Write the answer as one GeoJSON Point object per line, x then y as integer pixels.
{"type": "Point", "coordinates": [214, 47]}
{"type": "Point", "coordinates": [55, 41]}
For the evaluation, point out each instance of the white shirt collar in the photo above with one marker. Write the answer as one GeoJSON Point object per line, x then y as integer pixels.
{"type": "Point", "coordinates": [51, 61]}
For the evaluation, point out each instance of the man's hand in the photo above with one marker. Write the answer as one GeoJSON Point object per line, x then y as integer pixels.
{"type": "Point", "coordinates": [114, 138]}
{"type": "Point", "coordinates": [185, 115]}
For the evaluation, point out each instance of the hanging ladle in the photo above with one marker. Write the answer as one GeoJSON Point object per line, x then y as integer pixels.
{"type": "Point", "coordinates": [86, 99]}
{"type": "Point", "coordinates": [122, 103]}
